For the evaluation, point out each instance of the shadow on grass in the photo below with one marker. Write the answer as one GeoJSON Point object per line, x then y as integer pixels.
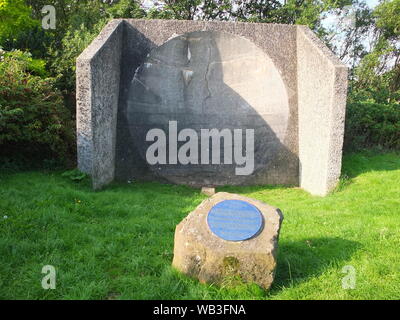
{"type": "Point", "coordinates": [355, 164]}
{"type": "Point", "coordinates": [298, 262]}
{"type": "Point", "coordinates": [144, 187]}
{"type": "Point", "coordinates": [303, 259]}
{"type": "Point", "coordinates": [252, 189]}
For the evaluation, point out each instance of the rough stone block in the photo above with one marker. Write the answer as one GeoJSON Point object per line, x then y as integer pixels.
{"type": "Point", "coordinates": [199, 253]}
{"type": "Point", "coordinates": [208, 191]}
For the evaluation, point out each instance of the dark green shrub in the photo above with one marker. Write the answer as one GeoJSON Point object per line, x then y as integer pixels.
{"type": "Point", "coordinates": [36, 40]}
{"type": "Point", "coordinates": [34, 122]}
{"type": "Point", "coordinates": [75, 175]}
{"type": "Point", "coordinates": [372, 124]}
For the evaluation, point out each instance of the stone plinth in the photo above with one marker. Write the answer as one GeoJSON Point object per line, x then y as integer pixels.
{"type": "Point", "coordinates": [199, 253]}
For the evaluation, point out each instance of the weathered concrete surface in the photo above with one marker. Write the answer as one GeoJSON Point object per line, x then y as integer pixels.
{"type": "Point", "coordinates": [97, 83]}
{"type": "Point", "coordinates": [277, 167]}
{"type": "Point", "coordinates": [322, 92]}
{"type": "Point", "coordinates": [207, 80]}
{"type": "Point", "coordinates": [201, 254]}
{"type": "Point", "coordinates": [310, 80]}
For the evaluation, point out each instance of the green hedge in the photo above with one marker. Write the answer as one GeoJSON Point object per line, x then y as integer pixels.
{"type": "Point", "coordinates": [34, 123]}
{"type": "Point", "coordinates": [372, 124]}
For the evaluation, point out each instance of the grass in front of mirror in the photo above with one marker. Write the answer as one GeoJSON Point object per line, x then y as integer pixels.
{"type": "Point", "coordinates": [118, 243]}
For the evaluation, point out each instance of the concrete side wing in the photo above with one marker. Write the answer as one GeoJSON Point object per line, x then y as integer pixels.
{"type": "Point", "coordinates": [322, 90]}
{"type": "Point", "coordinates": [97, 87]}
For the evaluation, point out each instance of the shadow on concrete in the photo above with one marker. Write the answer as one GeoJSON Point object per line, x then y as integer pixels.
{"type": "Point", "coordinates": [202, 105]}
{"type": "Point", "coordinates": [128, 163]}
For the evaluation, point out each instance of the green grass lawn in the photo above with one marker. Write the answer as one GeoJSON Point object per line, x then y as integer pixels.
{"type": "Point", "coordinates": [118, 243]}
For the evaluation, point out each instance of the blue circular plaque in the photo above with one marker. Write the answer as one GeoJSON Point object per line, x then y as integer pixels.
{"type": "Point", "coordinates": [234, 220]}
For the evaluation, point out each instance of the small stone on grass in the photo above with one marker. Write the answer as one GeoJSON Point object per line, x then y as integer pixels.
{"type": "Point", "coordinates": [208, 191]}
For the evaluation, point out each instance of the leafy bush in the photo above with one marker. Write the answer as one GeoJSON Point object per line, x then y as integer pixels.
{"type": "Point", "coordinates": [36, 40]}
{"type": "Point", "coordinates": [372, 124]}
{"type": "Point", "coordinates": [34, 122]}
{"type": "Point", "coordinates": [75, 175]}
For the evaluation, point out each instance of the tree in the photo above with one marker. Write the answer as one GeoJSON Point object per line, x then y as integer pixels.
{"type": "Point", "coordinates": [15, 18]}
{"type": "Point", "coordinates": [379, 70]}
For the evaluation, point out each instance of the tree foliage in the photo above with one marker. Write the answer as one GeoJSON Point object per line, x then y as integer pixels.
{"type": "Point", "coordinates": [32, 107]}
{"type": "Point", "coordinates": [15, 18]}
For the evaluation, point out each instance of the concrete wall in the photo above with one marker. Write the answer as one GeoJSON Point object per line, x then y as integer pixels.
{"type": "Point", "coordinates": [142, 36]}
{"type": "Point", "coordinates": [322, 90]}
{"type": "Point", "coordinates": [97, 82]}
{"type": "Point", "coordinates": [207, 80]}
{"type": "Point", "coordinates": [314, 81]}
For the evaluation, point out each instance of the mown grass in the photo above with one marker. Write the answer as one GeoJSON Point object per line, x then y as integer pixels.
{"type": "Point", "coordinates": [118, 243]}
